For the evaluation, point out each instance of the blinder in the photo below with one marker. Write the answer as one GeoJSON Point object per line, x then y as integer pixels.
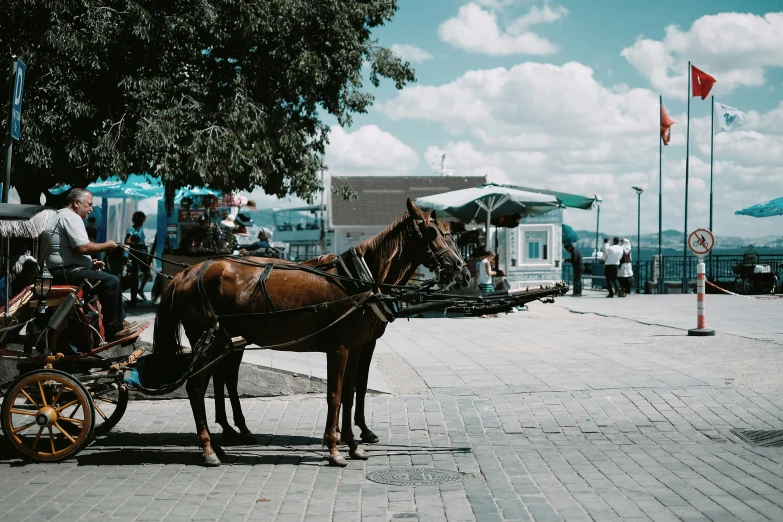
{"type": "Point", "coordinates": [434, 260]}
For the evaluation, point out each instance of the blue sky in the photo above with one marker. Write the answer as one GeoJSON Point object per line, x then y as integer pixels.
{"type": "Point", "coordinates": [564, 95]}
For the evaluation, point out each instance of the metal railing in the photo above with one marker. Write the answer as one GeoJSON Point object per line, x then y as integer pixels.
{"type": "Point", "coordinates": [718, 268]}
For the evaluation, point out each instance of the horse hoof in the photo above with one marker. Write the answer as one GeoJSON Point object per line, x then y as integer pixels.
{"type": "Point", "coordinates": [359, 454]}
{"type": "Point", "coordinates": [210, 461]}
{"type": "Point", "coordinates": [368, 437]}
{"type": "Point", "coordinates": [337, 460]}
{"type": "Point", "coordinates": [247, 438]}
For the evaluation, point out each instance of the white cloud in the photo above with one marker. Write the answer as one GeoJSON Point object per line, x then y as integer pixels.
{"type": "Point", "coordinates": [477, 30]}
{"type": "Point", "coordinates": [411, 53]}
{"type": "Point", "coordinates": [735, 48]}
{"type": "Point", "coordinates": [556, 126]}
{"type": "Point", "coordinates": [368, 151]}
{"type": "Point", "coordinates": [496, 4]}
{"type": "Point", "coordinates": [537, 15]}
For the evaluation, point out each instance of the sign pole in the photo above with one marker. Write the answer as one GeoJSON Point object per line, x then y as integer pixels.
{"type": "Point", "coordinates": [9, 141]}
{"type": "Point", "coordinates": [701, 242]}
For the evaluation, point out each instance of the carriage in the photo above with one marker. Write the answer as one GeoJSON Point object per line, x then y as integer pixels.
{"type": "Point", "coordinates": [68, 384]}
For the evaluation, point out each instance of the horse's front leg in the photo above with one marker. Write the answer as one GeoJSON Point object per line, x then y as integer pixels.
{"type": "Point", "coordinates": [347, 403]}
{"type": "Point", "coordinates": [362, 378]}
{"type": "Point", "coordinates": [231, 375]}
{"type": "Point", "coordinates": [196, 388]}
{"type": "Point", "coordinates": [336, 360]}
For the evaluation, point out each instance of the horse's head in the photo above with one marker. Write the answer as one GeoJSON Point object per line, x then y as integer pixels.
{"type": "Point", "coordinates": [438, 251]}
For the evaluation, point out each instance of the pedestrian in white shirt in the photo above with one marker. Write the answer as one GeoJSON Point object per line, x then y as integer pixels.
{"type": "Point", "coordinates": [614, 255]}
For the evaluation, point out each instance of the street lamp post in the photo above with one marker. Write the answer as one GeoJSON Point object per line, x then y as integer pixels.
{"type": "Point", "coordinates": [638, 238]}
{"type": "Point", "coordinates": [597, 203]}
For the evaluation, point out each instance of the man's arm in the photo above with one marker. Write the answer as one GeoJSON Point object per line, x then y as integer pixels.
{"type": "Point", "coordinates": [95, 248]}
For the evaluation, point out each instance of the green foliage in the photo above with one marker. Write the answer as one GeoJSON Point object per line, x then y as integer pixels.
{"type": "Point", "coordinates": [223, 93]}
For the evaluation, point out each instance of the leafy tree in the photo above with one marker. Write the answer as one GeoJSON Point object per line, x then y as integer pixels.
{"type": "Point", "coordinates": [223, 93]}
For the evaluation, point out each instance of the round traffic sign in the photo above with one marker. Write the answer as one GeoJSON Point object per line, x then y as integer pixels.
{"type": "Point", "coordinates": [701, 241]}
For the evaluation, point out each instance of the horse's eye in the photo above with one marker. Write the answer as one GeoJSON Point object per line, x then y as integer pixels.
{"type": "Point", "coordinates": [430, 234]}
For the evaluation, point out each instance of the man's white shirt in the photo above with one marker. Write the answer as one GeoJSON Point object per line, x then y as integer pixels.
{"type": "Point", "coordinates": [613, 255]}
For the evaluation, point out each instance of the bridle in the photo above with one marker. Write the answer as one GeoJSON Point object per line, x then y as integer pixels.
{"type": "Point", "coordinates": [434, 258]}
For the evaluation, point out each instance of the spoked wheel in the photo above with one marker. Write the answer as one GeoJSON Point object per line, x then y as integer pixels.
{"type": "Point", "coordinates": [743, 286]}
{"type": "Point", "coordinates": [110, 400]}
{"type": "Point", "coordinates": [48, 416]}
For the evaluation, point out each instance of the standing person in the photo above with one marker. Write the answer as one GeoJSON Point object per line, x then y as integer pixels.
{"type": "Point", "coordinates": [611, 265]}
{"type": "Point", "coordinates": [137, 245]}
{"type": "Point", "coordinates": [625, 272]}
{"type": "Point", "coordinates": [605, 249]}
{"type": "Point", "coordinates": [66, 249]}
{"type": "Point", "coordinates": [579, 267]}
{"type": "Point", "coordinates": [485, 272]}
{"type": "Point", "coordinates": [92, 233]}
{"type": "Point", "coordinates": [92, 230]}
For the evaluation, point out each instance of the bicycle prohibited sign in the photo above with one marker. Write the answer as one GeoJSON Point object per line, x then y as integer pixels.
{"type": "Point", "coordinates": [701, 241]}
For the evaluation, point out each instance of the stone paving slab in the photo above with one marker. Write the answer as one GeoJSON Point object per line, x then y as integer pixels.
{"type": "Point", "coordinates": [752, 318]}
{"type": "Point", "coordinates": [543, 417]}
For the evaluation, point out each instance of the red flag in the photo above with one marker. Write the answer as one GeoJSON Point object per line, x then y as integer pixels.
{"type": "Point", "coordinates": [666, 122]}
{"type": "Point", "coordinates": [702, 82]}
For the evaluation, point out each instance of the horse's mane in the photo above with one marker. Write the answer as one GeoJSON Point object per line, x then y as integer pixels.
{"type": "Point", "coordinates": [387, 244]}
{"type": "Point", "coordinates": [319, 261]}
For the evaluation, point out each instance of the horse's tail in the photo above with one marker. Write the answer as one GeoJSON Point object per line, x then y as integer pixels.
{"type": "Point", "coordinates": [166, 342]}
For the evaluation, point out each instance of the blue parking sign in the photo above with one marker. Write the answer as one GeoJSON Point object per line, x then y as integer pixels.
{"type": "Point", "coordinates": [16, 100]}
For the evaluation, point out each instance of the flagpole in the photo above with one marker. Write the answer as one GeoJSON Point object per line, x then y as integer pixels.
{"type": "Point", "coordinates": [687, 164]}
{"type": "Point", "coordinates": [660, 199]}
{"type": "Point", "coordinates": [712, 150]}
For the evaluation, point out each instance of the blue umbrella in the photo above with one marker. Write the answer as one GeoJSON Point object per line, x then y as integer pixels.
{"type": "Point", "coordinates": [768, 209]}
{"type": "Point", "coordinates": [137, 186]}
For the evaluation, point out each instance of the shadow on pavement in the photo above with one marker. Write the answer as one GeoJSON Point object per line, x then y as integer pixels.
{"type": "Point", "coordinates": [131, 449]}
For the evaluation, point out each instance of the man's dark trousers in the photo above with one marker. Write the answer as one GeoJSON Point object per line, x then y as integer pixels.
{"type": "Point", "coordinates": [577, 280]}
{"type": "Point", "coordinates": [611, 279]}
{"type": "Point", "coordinates": [109, 293]}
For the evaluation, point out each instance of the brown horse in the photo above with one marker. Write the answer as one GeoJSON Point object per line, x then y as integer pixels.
{"type": "Point", "coordinates": [227, 374]}
{"type": "Point", "coordinates": [297, 310]}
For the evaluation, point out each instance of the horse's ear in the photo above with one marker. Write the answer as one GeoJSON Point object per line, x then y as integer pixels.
{"type": "Point", "coordinates": [431, 234]}
{"type": "Point", "coordinates": [434, 217]}
{"type": "Point", "coordinates": [412, 210]}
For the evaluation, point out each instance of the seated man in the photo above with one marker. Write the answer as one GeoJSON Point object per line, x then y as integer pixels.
{"type": "Point", "coordinates": [263, 240]}
{"type": "Point", "coordinates": [66, 248]}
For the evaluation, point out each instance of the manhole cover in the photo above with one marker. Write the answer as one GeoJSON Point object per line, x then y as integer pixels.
{"type": "Point", "coordinates": [414, 476]}
{"type": "Point", "coordinates": [763, 438]}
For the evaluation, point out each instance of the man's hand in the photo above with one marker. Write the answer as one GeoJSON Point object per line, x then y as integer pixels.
{"type": "Point", "coordinates": [110, 245]}
{"type": "Point", "coordinates": [98, 265]}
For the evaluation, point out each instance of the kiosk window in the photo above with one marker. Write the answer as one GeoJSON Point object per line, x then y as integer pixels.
{"type": "Point", "coordinates": [536, 246]}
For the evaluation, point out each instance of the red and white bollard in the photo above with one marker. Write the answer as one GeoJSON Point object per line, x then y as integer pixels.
{"type": "Point", "coordinates": [701, 306]}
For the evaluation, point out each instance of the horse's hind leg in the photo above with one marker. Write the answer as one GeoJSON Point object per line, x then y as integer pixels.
{"type": "Point", "coordinates": [336, 359]}
{"type": "Point", "coordinates": [218, 380]}
{"type": "Point", "coordinates": [231, 375]}
{"type": "Point", "coordinates": [347, 403]}
{"type": "Point", "coordinates": [362, 377]}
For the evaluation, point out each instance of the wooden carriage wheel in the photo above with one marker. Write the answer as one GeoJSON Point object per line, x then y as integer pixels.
{"type": "Point", "coordinates": [48, 415]}
{"type": "Point", "coordinates": [110, 401]}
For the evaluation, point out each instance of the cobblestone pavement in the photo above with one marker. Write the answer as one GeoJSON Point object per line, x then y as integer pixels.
{"type": "Point", "coordinates": [544, 419]}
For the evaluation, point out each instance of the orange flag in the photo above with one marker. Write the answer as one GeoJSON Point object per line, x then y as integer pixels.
{"type": "Point", "coordinates": [666, 123]}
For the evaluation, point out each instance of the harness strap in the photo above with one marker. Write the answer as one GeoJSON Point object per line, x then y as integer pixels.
{"type": "Point", "coordinates": [262, 285]}
{"type": "Point", "coordinates": [206, 306]}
